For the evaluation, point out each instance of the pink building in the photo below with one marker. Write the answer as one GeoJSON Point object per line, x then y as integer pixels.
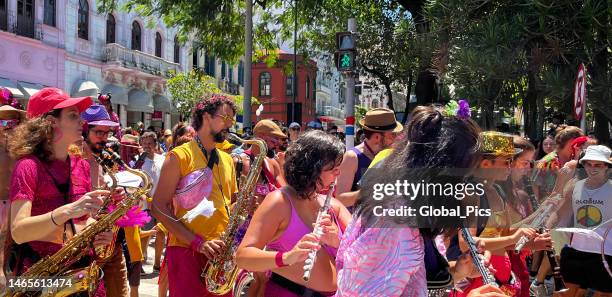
{"type": "Point", "coordinates": [69, 45]}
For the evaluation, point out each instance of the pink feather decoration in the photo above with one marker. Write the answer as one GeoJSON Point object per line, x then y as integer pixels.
{"type": "Point", "coordinates": [134, 217]}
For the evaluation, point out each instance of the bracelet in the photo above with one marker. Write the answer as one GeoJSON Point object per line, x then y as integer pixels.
{"type": "Point", "coordinates": [196, 242]}
{"type": "Point", "coordinates": [279, 259]}
{"type": "Point", "coordinates": [52, 219]}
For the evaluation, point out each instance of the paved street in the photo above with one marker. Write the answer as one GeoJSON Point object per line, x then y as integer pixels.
{"type": "Point", "coordinates": [148, 281]}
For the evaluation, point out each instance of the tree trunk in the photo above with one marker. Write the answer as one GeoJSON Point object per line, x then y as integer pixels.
{"type": "Point", "coordinates": [389, 94]}
{"type": "Point", "coordinates": [426, 87]}
{"type": "Point", "coordinates": [408, 108]}
{"type": "Point", "coordinates": [530, 108]}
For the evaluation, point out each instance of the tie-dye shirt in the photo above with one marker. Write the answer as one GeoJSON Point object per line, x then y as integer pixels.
{"type": "Point", "coordinates": [383, 261]}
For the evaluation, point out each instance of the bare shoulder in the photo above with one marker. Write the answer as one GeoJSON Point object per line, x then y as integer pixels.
{"type": "Point", "coordinates": [276, 202]}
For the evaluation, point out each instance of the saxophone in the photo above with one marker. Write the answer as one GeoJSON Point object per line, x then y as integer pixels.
{"type": "Point", "coordinates": [220, 274]}
{"type": "Point", "coordinates": [104, 253]}
{"type": "Point", "coordinates": [56, 265]}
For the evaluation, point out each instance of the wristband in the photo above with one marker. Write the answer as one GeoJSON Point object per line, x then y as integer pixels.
{"type": "Point", "coordinates": [279, 259]}
{"type": "Point", "coordinates": [196, 242]}
{"type": "Point", "coordinates": [53, 220]}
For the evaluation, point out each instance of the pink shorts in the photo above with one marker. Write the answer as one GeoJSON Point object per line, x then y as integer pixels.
{"type": "Point", "coordinates": [184, 268]}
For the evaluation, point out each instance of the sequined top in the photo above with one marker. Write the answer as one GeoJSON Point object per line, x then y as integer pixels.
{"type": "Point", "coordinates": [383, 261]}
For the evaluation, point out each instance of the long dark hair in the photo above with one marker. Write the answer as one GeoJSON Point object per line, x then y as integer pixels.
{"type": "Point", "coordinates": [433, 141]}
{"type": "Point", "coordinates": [307, 157]}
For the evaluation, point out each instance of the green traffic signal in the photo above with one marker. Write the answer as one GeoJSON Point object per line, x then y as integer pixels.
{"type": "Point", "coordinates": [345, 61]}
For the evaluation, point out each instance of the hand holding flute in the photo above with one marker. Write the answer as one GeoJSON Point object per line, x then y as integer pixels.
{"type": "Point", "coordinates": [318, 231]}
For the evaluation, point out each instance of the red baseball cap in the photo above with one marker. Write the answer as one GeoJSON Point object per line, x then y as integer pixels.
{"type": "Point", "coordinates": [49, 99]}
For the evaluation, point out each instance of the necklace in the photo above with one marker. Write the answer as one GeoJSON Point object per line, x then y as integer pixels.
{"type": "Point", "coordinates": [365, 143]}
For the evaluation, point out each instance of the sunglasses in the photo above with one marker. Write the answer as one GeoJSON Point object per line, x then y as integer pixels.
{"type": "Point", "coordinates": [9, 123]}
{"type": "Point", "coordinates": [99, 133]}
{"type": "Point", "coordinates": [227, 118]}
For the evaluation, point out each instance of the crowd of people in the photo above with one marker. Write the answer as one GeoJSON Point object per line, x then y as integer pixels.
{"type": "Point", "coordinates": [53, 185]}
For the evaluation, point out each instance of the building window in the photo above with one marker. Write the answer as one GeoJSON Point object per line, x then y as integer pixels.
{"type": "Point", "coordinates": [265, 84]}
{"type": "Point", "coordinates": [136, 36]}
{"type": "Point", "coordinates": [289, 86]}
{"type": "Point", "coordinates": [230, 73]}
{"type": "Point", "coordinates": [50, 12]}
{"type": "Point", "coordinates": [194, 56]}
{"type": "Point", "coordinates": [307, 87]}
{"type": "Point", "coordinates": [83, 26]}
{"type": "Point", "coordinates": [223, 69]}
{"type": "Point", "coordinates": [110, 29]}
{"type": "Point", "coordinates": [177, 50]}
{"type": "Point", "coordinates": [209, 65]}
{"type": "Point", "coordinates": [158, 45]}
{"type": "Point", "coordinates": [25, 18]}
{"type": "Point", "coordinates": [241, 73]}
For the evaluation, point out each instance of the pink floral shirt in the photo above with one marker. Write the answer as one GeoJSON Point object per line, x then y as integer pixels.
{"type": "Point", "coordinates": [32, 181]}
{"type": "Point", "coordinates": [386, 261]}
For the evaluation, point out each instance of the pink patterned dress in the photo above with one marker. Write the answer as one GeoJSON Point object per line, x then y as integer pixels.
{"type": "Point", "coordinates": [383, 261]}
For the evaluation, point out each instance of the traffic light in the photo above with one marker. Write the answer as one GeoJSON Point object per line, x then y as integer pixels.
{"type": "Point", "coordinates": [345, 56]}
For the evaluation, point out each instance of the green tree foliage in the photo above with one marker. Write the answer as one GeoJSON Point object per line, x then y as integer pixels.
{"type": "Point", "coordinates": [188, 88]}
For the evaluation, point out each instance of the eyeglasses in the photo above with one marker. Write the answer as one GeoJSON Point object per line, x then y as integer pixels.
{"type": "Point", "coordinates": [99, 133]}
{"type": "Point", "coordinates": [9, 123]}
{"type": "Point", "coordinates": [227, 118]}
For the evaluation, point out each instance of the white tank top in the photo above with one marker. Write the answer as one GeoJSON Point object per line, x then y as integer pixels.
{"type": "Point", "coordinates": [592, 208]}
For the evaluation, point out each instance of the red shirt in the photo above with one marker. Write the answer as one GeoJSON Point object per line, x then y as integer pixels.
{"type": "Point", "coordinates": [32, 181]}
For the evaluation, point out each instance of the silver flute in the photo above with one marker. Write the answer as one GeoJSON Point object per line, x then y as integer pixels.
{"type": "Point", "coordinates": [318, 231]}
{"type": "Point", "coordinates": [538, 223]}
{"type": "Point", "coordinates": [487, 277]}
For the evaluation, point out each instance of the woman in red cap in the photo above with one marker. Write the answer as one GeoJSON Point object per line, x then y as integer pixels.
{"type": "Point", "coordinates": [50, 192]}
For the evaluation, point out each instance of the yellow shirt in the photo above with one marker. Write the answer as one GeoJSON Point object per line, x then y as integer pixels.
{"type": "Point", "coordinates": [380, 156]}
{"type": "Point", "coordinates": [191, 158]}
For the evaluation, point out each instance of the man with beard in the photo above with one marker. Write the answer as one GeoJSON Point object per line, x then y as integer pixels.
{"type": "Point", "coordinates": [200, 181]}
{"type": "Point", "coordinates": [97, 128]}
{"type": "Point", "coordinates": [271, 174]}
{"type": "Point", "coordinates": [381, 129]}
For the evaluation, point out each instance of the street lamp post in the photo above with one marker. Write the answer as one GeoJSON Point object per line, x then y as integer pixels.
{"type": "Point", "coordinates": [248, 56]}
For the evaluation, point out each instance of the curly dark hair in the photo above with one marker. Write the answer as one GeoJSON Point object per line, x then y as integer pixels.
{"type": "Point", "coordinates": [33, 137]}
{"type": "Point", "coordinates": [307, 157]}
{"type": "Point", "coordinates": [210, 105]}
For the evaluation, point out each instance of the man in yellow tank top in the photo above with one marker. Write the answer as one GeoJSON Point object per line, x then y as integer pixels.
{"type": "Point", "coordinates": [195, 240]}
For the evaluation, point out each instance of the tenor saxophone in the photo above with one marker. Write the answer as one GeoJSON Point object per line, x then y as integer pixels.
{"type": "Point", "coordinates": [220, 273]}
{"type": "Point", "coordinates": [103, 253]}
{"type": "Point", "coordinates": [56, 265]}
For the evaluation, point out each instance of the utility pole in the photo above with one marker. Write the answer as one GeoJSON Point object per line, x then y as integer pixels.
{"type": "Point", "coordinates": [248, 56]}
{"type": "Point", "coordinates": [345, 62]}
{"type": "Point", "coordinates": [294, 79]}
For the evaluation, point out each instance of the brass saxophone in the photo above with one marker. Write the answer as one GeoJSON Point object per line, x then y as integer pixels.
{"type": "Point", "coordinates": [104, 253]}
{"type": "Point", "coordinates": [56, 265]}
{"type": "Point", "coordinates": [220, 274]}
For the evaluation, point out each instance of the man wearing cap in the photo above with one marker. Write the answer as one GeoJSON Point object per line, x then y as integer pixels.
{"type": "Point", "coordinates": [294, 131]}
{"type": "Point", "coordinates": [166, 140]}
{"type": "Point", "coordinates": [591, 206]}
{"type": "Point", "coordinates": [271, 172]}
{"type": "Point", "coordinates": [96, 130]}
{"type": "Point", "coordinates": [381, 128]}
{"type": "Point", "coordinates": [10, 117]}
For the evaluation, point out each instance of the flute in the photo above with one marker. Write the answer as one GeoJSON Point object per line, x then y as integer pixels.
{"type": "Point", "coordinates": [318, 231]}
{"type": "Point", "coordinates": [487, 277]}
{"type": "Point", "coordinates": [538, 222]}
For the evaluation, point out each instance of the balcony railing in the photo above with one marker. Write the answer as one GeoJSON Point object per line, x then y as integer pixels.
{"type": "Point", "coordinates": [229, 87]}
{"type": "Point", "coordinates": [115, 53]}
{"type": "Point", "coordinates": [331, 111]}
